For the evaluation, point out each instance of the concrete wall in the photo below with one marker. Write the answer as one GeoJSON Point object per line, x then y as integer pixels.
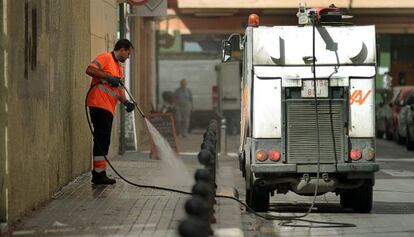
{"type": "Point", "coordinates": [103, 37]}
{"type": "Point", "coordinates": [3, 118]}
{"type": "Point", "coordinates": [44, 138]}
{"type": "Point", "coordinates": [47, 139]}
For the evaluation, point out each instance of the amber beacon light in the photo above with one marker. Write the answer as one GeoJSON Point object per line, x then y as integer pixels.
{"type": "Point", "coordinates": [253, 20]}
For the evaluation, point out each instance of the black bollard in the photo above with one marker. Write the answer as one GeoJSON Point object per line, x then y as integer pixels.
{"type": "Point", "coordinates": [211, 165]}
{"type": "Point", "coordinates": [208, 145]}
{"type": "Point", "coordinates": [213, 124]}
{"type": "Point", "coordinates": [203, 190]}
{"type": "Point", "coordinates": [206, 192]}
{"type": "Point", "coordinates": [203, 175]}
{"type": "Point", "coordinates": [205, 157]}
{"type": "Point", "coordinates": [197, 207]}
{"type": "Point", "coordinates": [214, 127]}
{"type": "Point", "coordinates": [193, 227]}
{"type": "Point", "coordinates": [200, 209]}
{"type": "Point", "coordinates": [211, 138]}
{"type": "Point", "coordinates": [209, 133]}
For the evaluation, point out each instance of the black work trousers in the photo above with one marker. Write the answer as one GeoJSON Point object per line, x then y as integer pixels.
{"type": "Point", "coordinates": [102, 126]}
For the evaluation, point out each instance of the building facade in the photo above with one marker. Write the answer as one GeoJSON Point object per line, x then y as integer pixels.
{"type": "Point", "coordinates": [44, 137]}
{"type": "Point", "coordinates": [192, 22]}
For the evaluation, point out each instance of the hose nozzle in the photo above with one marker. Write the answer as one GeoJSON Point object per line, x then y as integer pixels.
{"type": "Point", "coordinates": [132, 99]}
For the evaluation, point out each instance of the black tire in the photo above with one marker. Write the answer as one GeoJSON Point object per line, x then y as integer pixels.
{"type": "Point", "coordinates": [242, 164]}
{"type": "Point", "coordinates": [248, 187]}
{"type": "Point", "coordinates": [379, 134]}
{"type": "Point", "coordinates": [248, 197]}
{"type": "Point", "coordinates": [260, 199]}
{"type": "Point", "coordinates": [388, 131]}
{"type": "Point", "coordinates": [362, 198]}
{"type": "Point", "coordinates": [388, 136]}
{"type": "Point", "coordinates": [397, 137]}
{"type": "Point", "coordinates": [346, 199]}
{"type": "Point", "coordinates": [408, 143]}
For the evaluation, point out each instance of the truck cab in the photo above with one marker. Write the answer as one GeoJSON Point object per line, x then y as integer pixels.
{"type": "Point", "coordinates": [308, 112]}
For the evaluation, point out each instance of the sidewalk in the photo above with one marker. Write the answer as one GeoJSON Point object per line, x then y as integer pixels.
{"type": "Point", "coordinates": [82, 209]}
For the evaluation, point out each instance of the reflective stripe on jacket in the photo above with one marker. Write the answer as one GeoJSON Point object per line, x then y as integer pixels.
{"type": "Point", "coordinates": [103, 95]}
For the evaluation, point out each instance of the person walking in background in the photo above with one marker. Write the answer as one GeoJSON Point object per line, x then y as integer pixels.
{"type": "Point", "coordinates": [107, 74]}
{"type": "Point", "coordinates": [183, 100]}
{"type": "Point", "coordinates": [387, 80]}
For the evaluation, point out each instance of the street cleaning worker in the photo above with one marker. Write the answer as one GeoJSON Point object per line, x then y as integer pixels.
{"type": "Point", "coordinates": [107, 73]}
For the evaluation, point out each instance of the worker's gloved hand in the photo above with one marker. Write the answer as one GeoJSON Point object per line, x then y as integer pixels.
{"type": "Point", "coordinates": [129, 106]}
{"type": "Point", "coordinates": [113, 81]}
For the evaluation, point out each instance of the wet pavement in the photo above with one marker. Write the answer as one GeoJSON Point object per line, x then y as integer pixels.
{"type": "Point", "coordinates": [84, 209]}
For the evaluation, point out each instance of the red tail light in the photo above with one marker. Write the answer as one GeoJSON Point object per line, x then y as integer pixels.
{"type": "Point", "coordinates": [261, 155]}
{"type": "Point", "coordinates": [274, 155]}
{"type": "Point", "coordinates": [370, 154]}
{"type": "Point", "coordinates": [355, 154]}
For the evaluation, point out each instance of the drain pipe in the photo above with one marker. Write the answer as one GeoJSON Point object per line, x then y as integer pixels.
{"type": "Point", "coordinates": [223, 137]}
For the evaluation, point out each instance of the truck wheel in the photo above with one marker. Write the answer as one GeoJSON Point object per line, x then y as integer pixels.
{"type": "Point", "coordinates": [345, 199]}
{"type": "Point", "coordinates": [379, 134]}
{"type": "Point", "coordinates": [388, 136]}
{"type": "Point", "coordinates": [248, 197]}
{"type": "Point", "coordinates": [260, 199]}
{"type": "Point", "coordinates": [248, 187]}
{"type": "Point", "coordinates": [242, 164]}
{"type": "Point", "coordinates": [388, 131]}
{"type": "Point", "coordinates": [398, 139]}
{"type": "Point", "coordinates": [362, 198]}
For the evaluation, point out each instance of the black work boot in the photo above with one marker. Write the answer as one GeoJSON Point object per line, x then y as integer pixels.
{"type": "Point", "coordinates": [101, 178]}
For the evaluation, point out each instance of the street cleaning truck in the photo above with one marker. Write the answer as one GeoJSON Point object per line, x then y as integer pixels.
{"type": "Point", "coordinates": [307, 109]}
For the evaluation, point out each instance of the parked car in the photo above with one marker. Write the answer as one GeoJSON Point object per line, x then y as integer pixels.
{"type": "Point", "coordinates": [402, 118]}
{"type": "Point", "coordinates": [383, 113]}
{"type": "Point", "coordinates": [399, 103]}
{"type": "Point", "coordinates": [409, 142]}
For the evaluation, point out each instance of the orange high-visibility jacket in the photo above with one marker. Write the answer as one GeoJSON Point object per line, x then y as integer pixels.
{"type": "Point", "coordinates": [103, 95]}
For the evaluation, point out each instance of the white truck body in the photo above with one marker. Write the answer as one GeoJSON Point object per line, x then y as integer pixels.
{"type": "Point", "coordinates": [266, 51]}
{"type": "Point", "coordinates": [279, 136]}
